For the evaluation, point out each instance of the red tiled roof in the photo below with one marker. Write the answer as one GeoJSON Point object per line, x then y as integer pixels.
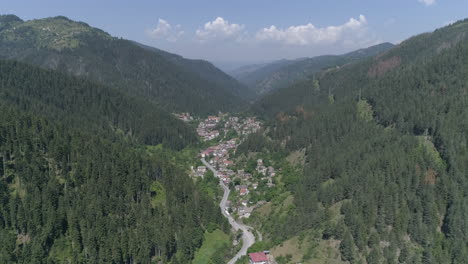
{"type": "Point", "coordinates": [258, 257]}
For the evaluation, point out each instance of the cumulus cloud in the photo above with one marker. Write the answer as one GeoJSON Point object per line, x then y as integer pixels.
{"type": "Point", "coordinates": [166, 31]}
{"type": "Point", "coordinates": [427, 2]}
{"type": "Point", "coordinates": [220, 29]}
{"type": "Point", "coordinates": [350, 32]}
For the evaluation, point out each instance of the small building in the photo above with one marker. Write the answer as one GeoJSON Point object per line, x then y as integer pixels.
{"type": "Point", "coordinates": [258, 258]}
{"type": "Point", "coordinates": [226, 179]}
{"type": "Point", "coordinates": [262, 169]}
{"type": "Point", "coordinates": [243, 190]}
{"type": "Point", "coordinates": [213, 119]}
{"type": "Point", "coordinates": [228, 162]}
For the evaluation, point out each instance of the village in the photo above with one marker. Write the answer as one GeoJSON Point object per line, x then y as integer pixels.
{"type": "Point", "coordinates": [245, 184]}
{"type": "Point", "coordinates": [241, 181]}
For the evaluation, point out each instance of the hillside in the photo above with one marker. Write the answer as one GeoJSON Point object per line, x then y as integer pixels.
{"type": "Point", "coordinates": [78, 184]}
{"type": "Point", "coordinates": [174, 83]}
{"type": "Point", "coordinates": [266, 78]}
{"type": "Point", "coordinates": [68, 196]}
{"type": "Point", "coordinates": [207, 71]}
{"type": "Point", "coordinates": [383, 179]}
{"type": "Point", "coordinates": [79, 103]}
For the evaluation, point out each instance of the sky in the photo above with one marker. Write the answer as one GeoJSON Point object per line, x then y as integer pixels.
{"type": "Point", "coordinates": [234, 33]}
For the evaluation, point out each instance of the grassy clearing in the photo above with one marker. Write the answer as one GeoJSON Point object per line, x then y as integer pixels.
{"type": "Point", "coordinates": [297, 157]}
{"type": "Point", "coordinates": [429, 147]}
{"type": "Point", "coordinates": [306, 251]}
{"type": "Point", "coordinates": [213, 242]}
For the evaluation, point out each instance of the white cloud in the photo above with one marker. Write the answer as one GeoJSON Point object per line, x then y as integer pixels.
{"type": "Point", "coordinates": [166, 31]}
{"type": "Point", "coordinates": [427, 2]}
{"type": "Point", "coordinates": [448, 23]}
{"type": "Point", "coordinates": [220, 29]}
{"type": "Point", "coordinates": [351, 32]}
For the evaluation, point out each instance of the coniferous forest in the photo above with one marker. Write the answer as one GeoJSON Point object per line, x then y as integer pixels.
{"type": "Point", "coordinates": [385, 144]}
{"type": "Point", "coordinates": [74, 188]}
{"type": "Point", "coordinates": [370, 152]}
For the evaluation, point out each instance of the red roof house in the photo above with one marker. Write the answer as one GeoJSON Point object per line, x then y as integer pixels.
{"type": "Point", "coordinates": [258, 258]}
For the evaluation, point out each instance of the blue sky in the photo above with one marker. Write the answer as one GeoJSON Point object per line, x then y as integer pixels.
{"type": "Point", "coordinates": [245, 31]}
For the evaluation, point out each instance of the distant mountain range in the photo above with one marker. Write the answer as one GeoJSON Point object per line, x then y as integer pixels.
{"type": "Point", "coordinates": [174, 83]}
{"type": "Point", "coordinates": [267, 77]}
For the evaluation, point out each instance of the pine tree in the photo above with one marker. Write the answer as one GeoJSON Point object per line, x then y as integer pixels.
{"type": "Point", "coordinates": [347, 248]}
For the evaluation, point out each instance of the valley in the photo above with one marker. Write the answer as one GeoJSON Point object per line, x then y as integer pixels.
{"type": "Point", "coordinates": [219, 164]}
{"type": "Point", "coordinates": [113, 151]}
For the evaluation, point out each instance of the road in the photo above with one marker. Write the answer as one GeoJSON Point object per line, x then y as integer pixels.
{"type": "Point", "coordinates": [248, 239]}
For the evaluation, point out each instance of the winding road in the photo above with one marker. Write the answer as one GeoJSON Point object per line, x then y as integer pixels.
{"type": "Point", "coordinates": [248, 239]}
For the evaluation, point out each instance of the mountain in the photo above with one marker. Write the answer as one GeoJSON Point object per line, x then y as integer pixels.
{"type": "Point", "coordinates": [79, 183]}
{"type": "Point", "coordinates": [382, 151]}
{"type": "Point", "coordinates": [255, 73]}
{"type": "Point", "coordinates": [207, 71]}
{"type": "Point", "coordinates": [264, 78]}
{"type": "Point", "coordinates": [174, 83]}
{"type": "Point", "coordinates": [77, 102]}
{"type": "Point", "coordinates": [68, 196]}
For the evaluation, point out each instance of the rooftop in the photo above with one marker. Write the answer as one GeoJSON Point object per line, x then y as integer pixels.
{"type": "Point", "coordinates": [258, 257]}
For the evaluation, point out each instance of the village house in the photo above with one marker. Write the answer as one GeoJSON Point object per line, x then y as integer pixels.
{"type": "Point", "coordinates": [262, 169]}
{"type": "Point", "coordinates": [228, 162]}
{"type": "Point", "coordinates": [200, 171]}
{"type": "Point", "coordinates": [184, 117]}
{"type": "Point", "coordinates": [243, 190]}
{"type": "Point", "coordinates": [258, 258]}
{"type": "Point", "coordinates": [220, 174]}
{"type": "Point", "coordinates": [271, 171]}
{"type": "Point", "coordinates": [226, 179]}
{"type": "Point", "coordinates": [245, 212]}
{"type": "Point", "coordinates": [213, 119]}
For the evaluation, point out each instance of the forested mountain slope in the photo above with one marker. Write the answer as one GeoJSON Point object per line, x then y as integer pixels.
{"type": "Point", "coordinates": [68, 196]}
{"type": "Point", "coordinates": [83, 104]}
{"type": "Point", "coordinates": [386, 151]}
{"type": "Point", "coordinates": [77, 184]}
{"type": "Point", "coordinates": [253, 74]}
{"type": "Point", "coordinates": [207, 71]}
{"type": "Point", "coordinates": [269, 77]}
{"type": "Point", "coordinates": [76, 48]}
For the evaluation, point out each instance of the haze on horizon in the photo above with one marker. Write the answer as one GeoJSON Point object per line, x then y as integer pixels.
{"type": "Point", "coordinates": [244, 32]}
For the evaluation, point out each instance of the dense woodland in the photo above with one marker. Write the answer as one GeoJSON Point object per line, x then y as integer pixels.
{"type": "Point", "coordinates": [77, 102]}
{"type": "Point", "coordinates": [75, 189]}
{"type": "Point", "coordinates": [386, 143]}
